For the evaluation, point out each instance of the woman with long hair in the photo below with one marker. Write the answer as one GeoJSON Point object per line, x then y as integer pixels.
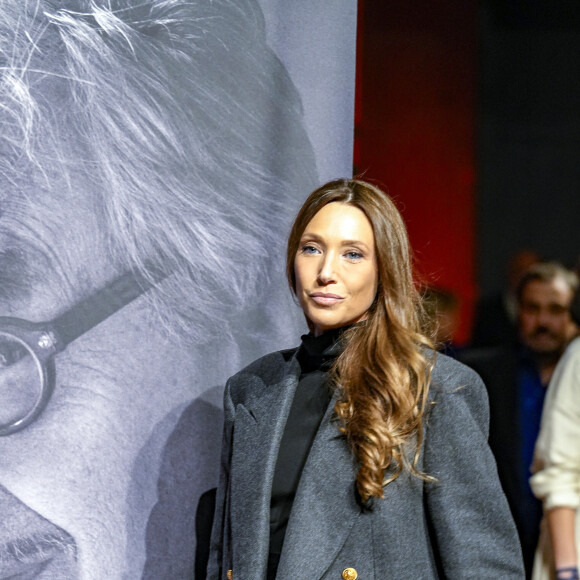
{"type": "Point", "coordinates": [361, 453]}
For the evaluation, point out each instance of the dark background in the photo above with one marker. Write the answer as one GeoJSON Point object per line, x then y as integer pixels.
{"type": "Point", "coordinates": [469, 113]}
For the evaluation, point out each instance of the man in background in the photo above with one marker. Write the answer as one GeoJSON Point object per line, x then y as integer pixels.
{"type": "Point", "coordinates": [495, 319]}
{"type": "Point", "coordinates": [516, 375]}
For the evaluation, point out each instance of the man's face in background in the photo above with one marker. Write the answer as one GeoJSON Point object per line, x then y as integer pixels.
{"type": "Point", "coordinates": [544, 316]}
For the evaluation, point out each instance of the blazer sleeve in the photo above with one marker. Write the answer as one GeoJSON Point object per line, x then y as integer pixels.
{"type": "Point", "coordinates": [473, 532]}
{"type": "Point", "coordinates": [219, 531]}
{"type": "Point", "coordinates": [556, 480]}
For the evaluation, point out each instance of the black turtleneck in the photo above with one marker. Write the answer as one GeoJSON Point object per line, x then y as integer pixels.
{"type": "Point", "coordinates": [315, 355]}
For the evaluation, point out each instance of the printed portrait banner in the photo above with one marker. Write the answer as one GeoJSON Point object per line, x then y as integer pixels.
{"type": "Point", "coordinates": [152, 156]}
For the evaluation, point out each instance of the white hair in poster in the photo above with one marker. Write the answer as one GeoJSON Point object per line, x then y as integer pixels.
{"type": "Point", "coordinates": [152, 156]}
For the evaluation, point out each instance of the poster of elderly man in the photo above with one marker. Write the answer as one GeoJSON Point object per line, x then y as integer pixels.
{"type": "Point", "coordinates": [152, 155]}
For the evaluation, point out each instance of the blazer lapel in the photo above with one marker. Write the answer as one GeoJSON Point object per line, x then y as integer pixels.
{"type": "Point", "coordinates": [325, 506]}
{"type": "Point", "coordinates": [258, 429]}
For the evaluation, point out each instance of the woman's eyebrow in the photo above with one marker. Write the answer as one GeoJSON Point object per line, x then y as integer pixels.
{"type": "Point", "coordinates": [311, 236]}
{"type": "Point", "coordinates": [354, 243]}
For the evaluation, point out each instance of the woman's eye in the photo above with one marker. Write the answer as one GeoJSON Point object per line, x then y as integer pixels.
{"type": "Point", "coordinates": [353, 255]}
{"type": "Point", "coordinates": [309, 249]}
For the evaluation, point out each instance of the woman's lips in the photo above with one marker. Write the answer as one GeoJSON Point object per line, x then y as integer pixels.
{"type": "Point", "coordinates": [325, 299]}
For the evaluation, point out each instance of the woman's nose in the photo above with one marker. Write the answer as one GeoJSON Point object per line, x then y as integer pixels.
{"type": "Point", "coordinates": [327, 272]}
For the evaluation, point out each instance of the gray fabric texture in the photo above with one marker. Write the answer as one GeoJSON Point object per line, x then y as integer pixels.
{"type": "Point", "coordinates": [458, 527]}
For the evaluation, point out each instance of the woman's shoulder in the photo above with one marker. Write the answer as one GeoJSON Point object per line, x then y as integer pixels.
{"type": "Point", "coordinates": [448, 374]}
{"type": "Point", "coordinates": [456, 390]}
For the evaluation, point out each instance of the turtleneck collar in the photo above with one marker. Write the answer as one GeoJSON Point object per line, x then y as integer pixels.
{"type": "Point", "coordinates": [320, 352]}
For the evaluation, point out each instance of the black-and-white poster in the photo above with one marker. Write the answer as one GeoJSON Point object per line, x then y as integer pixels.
{"type": "Point", "coordinates": [152, 155]}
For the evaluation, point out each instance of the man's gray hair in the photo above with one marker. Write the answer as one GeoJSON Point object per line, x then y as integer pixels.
{"type": "Point", "coordinates": [546, 272]}
{"type": "Point", "coordinates": [182, 118]}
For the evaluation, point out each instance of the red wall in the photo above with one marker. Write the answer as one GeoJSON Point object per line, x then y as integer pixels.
{"type": "Point", "coordinates": [415, 129]}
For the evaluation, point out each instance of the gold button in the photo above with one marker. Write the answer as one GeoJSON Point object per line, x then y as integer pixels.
{"type": "Point", "coordinates": [349, 574]}
{"type": "Point", "coordinates": [230, 574]}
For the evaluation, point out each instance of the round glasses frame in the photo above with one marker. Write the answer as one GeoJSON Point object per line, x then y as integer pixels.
{"type": "Point", "coordinates": [43, 344]}
{"type": "Point", "coordinates": [44, 340]}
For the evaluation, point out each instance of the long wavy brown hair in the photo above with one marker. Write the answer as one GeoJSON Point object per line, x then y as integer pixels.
{"type": "Point", "coordinates": [383, 372]}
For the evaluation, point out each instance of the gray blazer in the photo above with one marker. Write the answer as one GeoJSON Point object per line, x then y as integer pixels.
{"type": "Point", "coordinates": [459, 527]}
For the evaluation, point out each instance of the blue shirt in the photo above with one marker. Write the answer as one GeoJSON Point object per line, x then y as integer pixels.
{"type": "Point", "coordinates": [531, 394]}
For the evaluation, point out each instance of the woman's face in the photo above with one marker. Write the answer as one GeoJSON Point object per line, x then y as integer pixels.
{"type": "Point", "coordinates": [336, 267]}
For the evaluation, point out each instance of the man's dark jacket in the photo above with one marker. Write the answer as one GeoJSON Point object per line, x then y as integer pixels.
{"type": "Point", "coordinates": [499, 368]}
